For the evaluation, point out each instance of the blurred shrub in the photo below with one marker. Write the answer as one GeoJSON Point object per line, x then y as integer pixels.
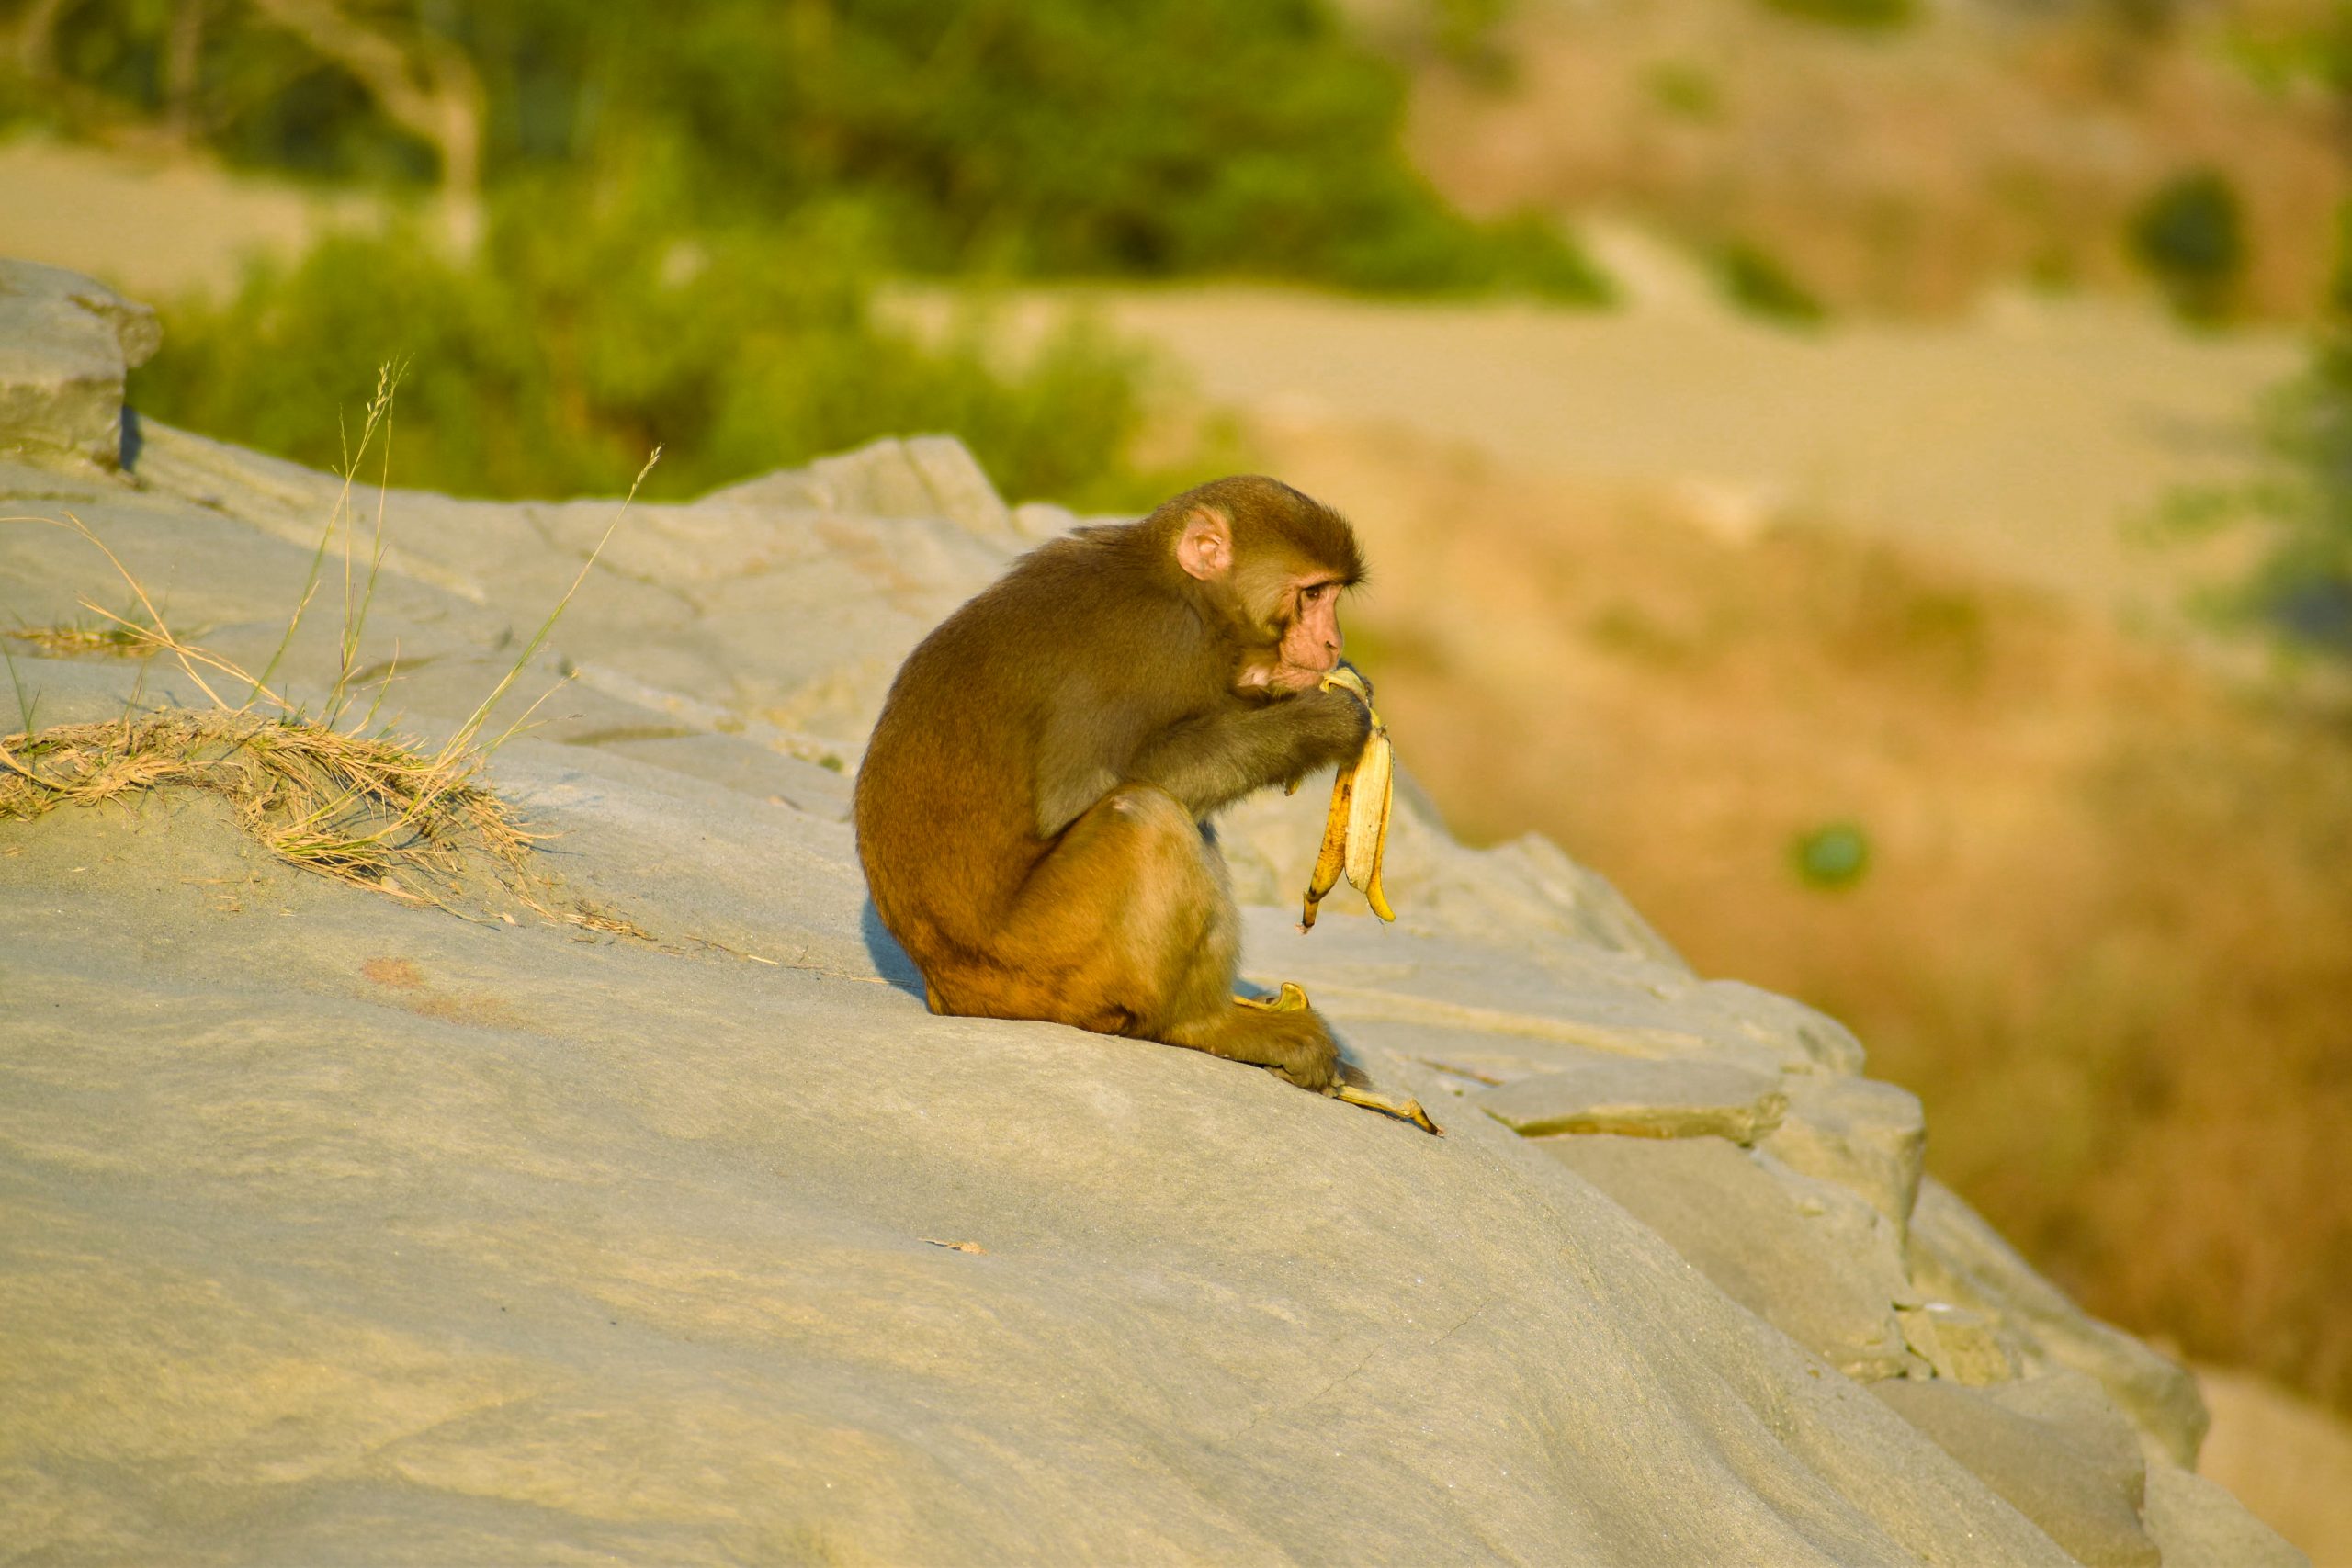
{"type": "Point", "coordinates": [1860, 13]}
{"type": "Point", "coordinates": [575, 341]}
{"type": "Point", "coordinates": [1756, 282]}
{"type": "Point", "coordinates": [2190, 236]}
{"type": "Point", "coordinates": [1684, 90]}
{"type": "Point", "coordinates": [2301, 590]}
{"type": "Point", "coordinates": [1831, 857]}
{"type": "Point", "coordinates": [1137, 138]}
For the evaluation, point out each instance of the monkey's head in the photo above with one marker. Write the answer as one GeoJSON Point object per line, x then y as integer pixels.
{"type": "Point", "coordinates": [1269, 565]}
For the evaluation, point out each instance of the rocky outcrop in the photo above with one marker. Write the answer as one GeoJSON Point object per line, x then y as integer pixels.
{"type": "Point", "coordinates": [65, 344]}
{"type": "Point", "coordinates": [346, 1231]}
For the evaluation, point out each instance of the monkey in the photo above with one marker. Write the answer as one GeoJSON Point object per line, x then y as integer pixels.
{"type": "Point", "coordinates": [1031, 811]}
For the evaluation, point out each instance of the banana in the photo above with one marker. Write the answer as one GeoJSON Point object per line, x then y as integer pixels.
{"type": "Point", "coordinates": [1355, 832]}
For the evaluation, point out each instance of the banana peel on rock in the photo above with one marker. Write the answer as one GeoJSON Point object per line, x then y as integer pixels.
{"type": "Point", "coordinates": [1355, 833]}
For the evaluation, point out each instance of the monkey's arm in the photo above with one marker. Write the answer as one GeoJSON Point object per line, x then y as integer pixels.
{"type": "Point", "coordinates": [1212, 760]}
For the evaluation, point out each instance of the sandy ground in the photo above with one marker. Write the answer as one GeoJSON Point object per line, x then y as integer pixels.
{"type": "Point", "coordinates": [2022, 443]}
{"type": "Point", "coordinates": [153, 228]}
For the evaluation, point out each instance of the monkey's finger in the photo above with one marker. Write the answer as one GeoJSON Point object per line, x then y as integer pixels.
{"type": "Point", "coordinates": [1345, 675]}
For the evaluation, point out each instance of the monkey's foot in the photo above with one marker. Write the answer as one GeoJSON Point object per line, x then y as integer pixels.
{"type": "Point", "coordinates": [1292, 999]}
{"type": "Point", "coordinates": [1405, 1109]}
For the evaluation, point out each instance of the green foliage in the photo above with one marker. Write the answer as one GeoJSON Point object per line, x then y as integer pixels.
{"type": "Point", "coordinates": [2301, 592]}
{"type": "Point", "coordinates": [1127, 138]}
{"type": "Point", "coordinates": [1863, 16]}
{"type": "Point", "coordinates": [2190, 237]}
{"type": "Point", "coordinates": [577, 340]}
{"type": "Point", "coordinates": [1832, 857]}
{"type": "Point", "coordinates": [2303, 588]}
{"type": "Point", "coordinates": [1756, 282]}
{"type": "Point", "coordinates": [1685, 90]}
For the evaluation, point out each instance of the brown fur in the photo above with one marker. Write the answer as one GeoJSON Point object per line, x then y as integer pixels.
{"type": "Point", "coordinates": [1029, 810]}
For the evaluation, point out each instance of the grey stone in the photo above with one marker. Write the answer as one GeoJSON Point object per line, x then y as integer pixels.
{"type": "Point", "coordinates": [1641, 1100]}
{"type": "Point", "coordinates": [2082, 1504]}
{"type": "Point", "coordinates": [1963, 1345]}
{"type": "Point", "coordinates": [960, 489]}
{"type": "Point", "coordinates": [1742, 1228]}
{"type": "Point", "coordinates": [66, 342]}
{"type": "Point", "coordinates": [2077, 1408]}
{"type": "Point", "coordinates": [1867, 1136]}
{"type": "Point", "coordinates": [1956, 1256]}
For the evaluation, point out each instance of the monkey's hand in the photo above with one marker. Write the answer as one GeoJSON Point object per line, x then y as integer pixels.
{"type": "Point", "coordinates": [1214, 758]}
{"type": "Point", "coordinates": [1355, 833]}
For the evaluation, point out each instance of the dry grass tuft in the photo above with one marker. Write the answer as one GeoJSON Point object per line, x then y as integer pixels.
{"type": "Point", "coordinates": [374, 811]}
{"type": "Point", "coordinates": [80, 640]}
{"type": "Point", "coordinates": [326, 792]}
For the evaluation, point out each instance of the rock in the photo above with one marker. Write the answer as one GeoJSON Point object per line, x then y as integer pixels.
{"type": "Point", "coordinates": [1965, 1347]}
{"type": "Point", "coordinates": [1866, 1136]}
{"type": "Point", "coordinates": [921, 476]}
{"type": "Point", "coordinates": [1641, 1100]}
{"type": "Point", "coordinates": [1956, 1256]}
{"type": "Point", "coordinates": [2078, 1409]}
{"type": "Point", "coordinates": [1742, 1229]}
{"type": "Point", "coordinates": [66, 343]}
{"type": "Point", "coordinates": [2082, 1503]}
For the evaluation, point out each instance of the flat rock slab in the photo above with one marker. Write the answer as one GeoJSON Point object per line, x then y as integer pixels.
{"type": "Point", "coordinates": [1868, 1137]}
{"type": "Point", "coordinates": [2079, 1493]}
{"type": "Point", "coordinates": [1642, 1099]}
{"type": "Point", "coordinates": [1739, 1226]}
{"type": "Point", "coordinates": [1957, 1258]}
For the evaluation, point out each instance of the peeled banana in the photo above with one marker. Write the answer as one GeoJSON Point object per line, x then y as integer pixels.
{"type": "Point", "coordinates": [1355, 833]}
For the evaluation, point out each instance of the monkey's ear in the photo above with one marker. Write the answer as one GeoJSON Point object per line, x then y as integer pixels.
{"type": "Point", "coordinates": [1204, 549]}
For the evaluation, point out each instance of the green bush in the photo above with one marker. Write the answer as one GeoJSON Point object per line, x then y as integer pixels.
{"type": "Point", "coordinates": [1104, 138]}
{"type": "Point", "coordinates": [574, 342]}
{"type": "Point", "coordinates": [2300, 589]}
{"type": "Point", "coordinates": [2190, 237]}
{"type": "Point", "coordinates": [1753, 279]}
{"type": "Point", "coordinates": [1832, 857]}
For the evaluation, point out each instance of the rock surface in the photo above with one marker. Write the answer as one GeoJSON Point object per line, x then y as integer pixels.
{"type": "Point", "coordinates": [65, 344]}
{"type": "Point", "coordinates": [342, 1230]}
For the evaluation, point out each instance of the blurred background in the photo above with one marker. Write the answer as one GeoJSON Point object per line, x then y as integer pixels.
{"type": "Point", "coordinates": [1872, 477]}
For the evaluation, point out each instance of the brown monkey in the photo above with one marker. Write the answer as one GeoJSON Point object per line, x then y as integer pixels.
{"type": "Point", "coordinates": [1030, 809]}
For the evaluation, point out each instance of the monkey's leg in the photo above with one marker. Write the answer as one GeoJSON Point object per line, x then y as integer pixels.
{"type": "Point", "coordinates": [1129, 928]}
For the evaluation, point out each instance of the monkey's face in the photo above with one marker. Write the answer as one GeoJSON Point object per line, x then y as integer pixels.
{"type": "Point", "coordinates": [1309, 648]}
{"type": "Point", "coordinates": [1280, 609]}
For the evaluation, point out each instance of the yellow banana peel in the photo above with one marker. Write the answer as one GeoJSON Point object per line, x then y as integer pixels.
{"type": "Point", "coordinates": [1355, 833]}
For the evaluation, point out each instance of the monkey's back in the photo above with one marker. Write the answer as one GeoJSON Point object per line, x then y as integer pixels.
{"type": "Point", "coordinates": [946, 804]}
